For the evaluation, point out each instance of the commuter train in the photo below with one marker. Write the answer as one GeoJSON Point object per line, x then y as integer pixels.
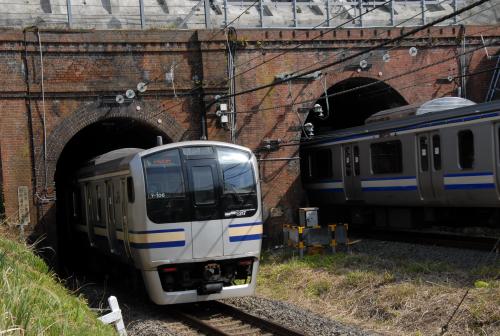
{"type": "Point", "coordinates": [423, 168]}
{"type": "Point", "coordinates": [187, 215]}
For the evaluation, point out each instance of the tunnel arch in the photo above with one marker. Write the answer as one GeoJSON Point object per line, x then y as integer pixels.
{"type": "Point", "coordinates": [352, 106]}
{"type": "Point", "coordinates": [91, 130]}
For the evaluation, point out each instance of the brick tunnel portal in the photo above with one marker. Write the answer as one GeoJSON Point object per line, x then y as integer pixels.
{"type": "Point", "coordinates": [96, 139]}
{"type": "Point", "coordinates": [353, 100]}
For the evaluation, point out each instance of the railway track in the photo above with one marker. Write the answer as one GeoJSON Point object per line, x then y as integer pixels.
{"type": "Point", "coordinates": [430, 238]}
{"type": "Point", "coordinates": [217, 318]}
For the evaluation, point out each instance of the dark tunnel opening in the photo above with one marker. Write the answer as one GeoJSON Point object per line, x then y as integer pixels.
{"type": "Point", "coordinates": [95, 139]}
{"type": "Point", "coordinates": [352, 106]}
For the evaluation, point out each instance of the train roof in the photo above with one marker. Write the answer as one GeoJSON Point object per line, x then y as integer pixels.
{"type": "Point", "coordinates": [118, 160]}
{"type": "Point", "coordinates": [411, 121]}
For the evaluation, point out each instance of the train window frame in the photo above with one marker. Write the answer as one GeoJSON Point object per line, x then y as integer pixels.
{"type": "Point", "coordinates": [466, 159]}
{"type": "Point", "coordinates": [347, 160]}
{"type": "Point", "coordinates": [328, 167]}
{"type": "Point", "coordinates": [197, 197]}
{"type": "Point", "coordinates": [356, 160]}
{"type": "Point", "coordinates": [437, 161]}
{"type": "Point", "coordinates": [130, 189]}
{"type": "Point", "coordinates": [423, 152]}
{"type": "Point", "coordinates": [398, 169]}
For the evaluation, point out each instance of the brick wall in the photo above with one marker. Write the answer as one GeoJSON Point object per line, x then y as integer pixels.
{"type": "Point", "coordinates": [85, 70]}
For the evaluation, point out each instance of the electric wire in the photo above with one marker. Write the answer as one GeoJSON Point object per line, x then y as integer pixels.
{"type": "Point", "coordinates": [327, 31]}
{"type": "Point", "coordinates": [455, 13]}
{"type": "Point", "coordinates": [396, 46]}
{"type": "Point", "coordinates": [380, 45]}
{"type": "Point", "coordinates": [372, 83]}
{"type": "Point", "coordinates": [320, 34]}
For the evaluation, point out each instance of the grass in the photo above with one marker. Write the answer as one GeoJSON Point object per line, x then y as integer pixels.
{"type": "Point", "coordinates": [34, 302]}
{"type": "Point", "coordinates": [393, 295]}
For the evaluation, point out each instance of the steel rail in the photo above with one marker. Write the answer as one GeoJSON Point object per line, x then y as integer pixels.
{"type": "Point", "coordinates": [187, 313]}
{"type": "Point", "coordinates": [276, 329]}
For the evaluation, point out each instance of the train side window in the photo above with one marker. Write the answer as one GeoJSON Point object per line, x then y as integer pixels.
{"type": "Point", "coordinates": [356, 161]}
{"type": "Point", "coordinates": [203, 183]}
{"type": "Point", "coordinates": [130, 189]}
{"type": "Point", "coordinates": [424, 151]}
{"type": "Point", "coordinates": [347, 159]}
{"type": "Point", "coordinates": [436, 151]}
{"type": "Point", "coordinates": [386, 157]}
{"type": "Point", "coordinates": [321, 165]}
{"type": "Point", "coordinates": [466, 149]}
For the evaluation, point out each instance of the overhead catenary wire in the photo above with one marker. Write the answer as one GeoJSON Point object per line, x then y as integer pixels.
{"type": "Point", "coordinates": [345, 59]}
{"type": "Point", "coordinates": [395, 46]}
{"type": "Point", "coordinates": [380, 45]}
{"type": "Point", "coordinates": [370, 84]}
{"type": "Point", "coordinates": [320, 34]}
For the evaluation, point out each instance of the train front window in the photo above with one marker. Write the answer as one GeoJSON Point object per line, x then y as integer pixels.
{"type": "Point", "coordinates": [239, 196]}
{"type": "Point", "coordinates": [165, 191]}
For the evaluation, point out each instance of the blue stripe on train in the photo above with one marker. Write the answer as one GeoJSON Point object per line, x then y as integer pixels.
{"type": "Point", "coordinates": [245, 238]}
{"type": "Point", "coordinates": [156, 231]}
{"type": "Point", "coordinates": [391, 188]}
{"type": "Point", "coordinates": [389, 178]}
{"type": "Point", "coordinates": [244, 224]}
{"type": "Point", "coordinates": [470, 186]}
{"type": "Point", "coordinates": [178, 243]}
{"type": "Point", "coordinates": [330, 190]}
{"type": "Point", "coordinates": [468, 174]}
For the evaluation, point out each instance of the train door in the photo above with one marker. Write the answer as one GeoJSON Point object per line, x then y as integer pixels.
{"type": "Point", "coordinates": [352, 171]}
{"type": "Point", "coordinates": [206, 227]}
{"type": "Point", "coordinates": [496, 169]}
{"type": "Point", "coordinates": [429, 170]}
{"type": "Point", "coordinates": [124, 213]}
{"type": "Point", "coordinates": [110, 216]}
{"type": "Point", "coordinates": [89, 213]}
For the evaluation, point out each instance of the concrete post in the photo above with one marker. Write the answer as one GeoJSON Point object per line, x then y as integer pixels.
{"type": "Point", "coordinates": [455, 8]}
{"type": "Point", "coordinates": [360, 4]}
{"type": "Point", "coordinates": [422, 3]}
{"type": "Point", "coordinates": [70, 13]}
{"type": "Point", "coordinates": [261, 13]}
{"type": "Point", "coordinates": [225, 13]}
{"type": "Point", "coordinates": [294, 8]}
{"type": "Point", "coordinates": [141, 13]}
{"type": "Point", "coordinates": [328, 10]}
{"type": "Point", "coordinates": [208, 23]}
{"type": "Point", "coordinates": [392, 13]}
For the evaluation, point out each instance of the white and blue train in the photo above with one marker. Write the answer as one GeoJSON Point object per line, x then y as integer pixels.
{"type": "Point", "coordinates": [428, 167]}
{"type": "Point", "coordinates": [187, 215]}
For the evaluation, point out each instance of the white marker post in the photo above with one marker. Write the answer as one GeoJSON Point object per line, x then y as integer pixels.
{"type": "Point", "coordinates": [115, 316]}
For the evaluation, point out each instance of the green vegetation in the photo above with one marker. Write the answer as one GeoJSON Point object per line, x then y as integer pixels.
{"type": "Point", "coordinates": [33, 302]}
{"type": "Point", "coordinates": [393, 294]}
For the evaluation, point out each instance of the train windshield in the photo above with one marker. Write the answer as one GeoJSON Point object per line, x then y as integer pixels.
{"type": "Point", "coordinates": [239, 196]}
{"type": "Point", "coordinates": [165, 187]}
{"type": "Point", "coordinates": [236, 171]}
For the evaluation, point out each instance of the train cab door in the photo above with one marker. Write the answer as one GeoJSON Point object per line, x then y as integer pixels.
{"type": "Point", "coordinates": [352, 171]}
{"type": "Point", "coordinates": [206, 226]}
{"type": "Point", "coordinates": [429, 170]}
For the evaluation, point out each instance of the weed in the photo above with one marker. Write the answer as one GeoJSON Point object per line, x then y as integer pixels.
{"type": "Point", "coordinates": [34, 303]}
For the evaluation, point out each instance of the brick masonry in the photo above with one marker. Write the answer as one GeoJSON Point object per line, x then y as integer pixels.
{"type": "Point", "coordinates": [84, 70]}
